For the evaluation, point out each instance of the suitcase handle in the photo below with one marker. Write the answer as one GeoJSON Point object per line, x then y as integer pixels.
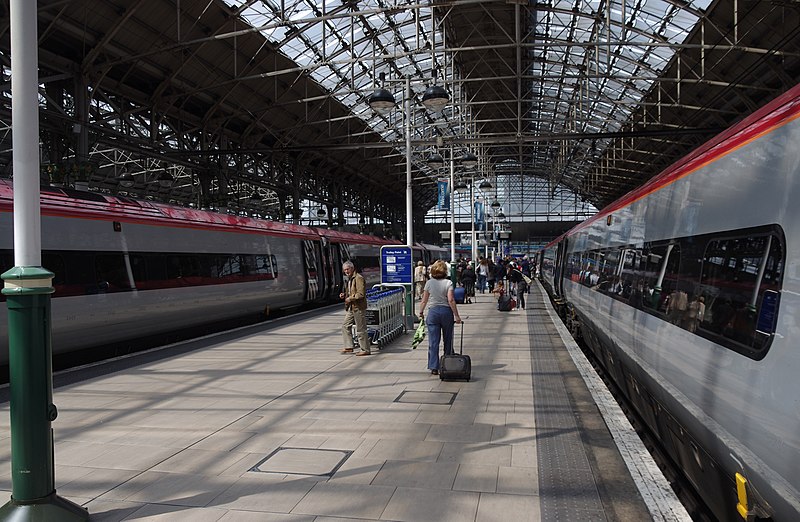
{"type": "Point", "coordinates": [461, 346]}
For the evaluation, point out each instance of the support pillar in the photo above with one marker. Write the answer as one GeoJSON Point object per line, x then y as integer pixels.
{"type": "Point", "coordinates": [33, 492]}
{"type": "Point", "coordinates": [27, 289]}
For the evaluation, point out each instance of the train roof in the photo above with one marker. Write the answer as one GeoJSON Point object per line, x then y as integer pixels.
{"type": "Point", "coordinates": [778, 112]}
{"type": "Point", "coordinates": [351, 237]}
{"type": "Point", "coordinates": [92, 205]}
{"type": "Point", "coordinates": [432, 248]}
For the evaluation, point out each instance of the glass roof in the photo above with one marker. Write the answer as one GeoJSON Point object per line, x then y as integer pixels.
{"type": "Point", "coordinates": [588, 64]}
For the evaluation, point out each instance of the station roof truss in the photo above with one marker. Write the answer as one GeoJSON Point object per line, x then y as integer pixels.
{"type": "Point", "coordinates": [259, 104]}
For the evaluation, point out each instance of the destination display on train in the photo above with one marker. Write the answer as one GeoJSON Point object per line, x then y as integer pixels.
{"type": "Point", "coordinates": [397, 264]}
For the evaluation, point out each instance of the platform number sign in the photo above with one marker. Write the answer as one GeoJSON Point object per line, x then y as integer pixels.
{"type": "Point", "coordinates": [397, 265]}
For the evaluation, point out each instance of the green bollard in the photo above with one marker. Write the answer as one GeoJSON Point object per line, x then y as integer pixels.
{"type": "Point", "coordinates": [33, 492]}
{"type": "Point", "coordinates": [409, 318]}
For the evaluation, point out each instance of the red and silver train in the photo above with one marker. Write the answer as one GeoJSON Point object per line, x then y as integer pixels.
{"type": "Point", "coordinates": [687, 290]}
{"type": "Point", "coordinates": [125, 269]}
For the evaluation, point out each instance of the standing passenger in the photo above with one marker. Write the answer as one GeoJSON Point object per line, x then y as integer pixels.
{"type": "Point", "coordinates": [517, 285]}
{"type": "Point", "coordinates": [419, 278]}
{"type": "Point", "coordinates": [490, 275]}
{"type": "Point", "coordinates": [482, 272]}
{"type": "Point", "coordinates": [442, 315]}
{"type": "Point", "coordinates": [468, 281]}
{"type": "Point", "coordinates": [355, 305]}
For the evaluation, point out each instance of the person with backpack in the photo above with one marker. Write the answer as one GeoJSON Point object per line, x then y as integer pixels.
{"type": "Point", "coordinates": [468, 280]}
{"type": "Point", "coordinates": [517, 283]}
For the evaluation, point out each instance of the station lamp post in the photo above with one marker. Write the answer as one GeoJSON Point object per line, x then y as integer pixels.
{"type": "Point", "coordinates": [436, 161]}
{"type": "Point", "coordinates": [381, 100]}
{"type": "Point", "coordinates": [434, 98]}
{"type": "Point", "coordinates": [469, 160]}
{"type": "Point", "coordinates": [484, 186]}
{"type": "Point", "coordinates": [27, 288]}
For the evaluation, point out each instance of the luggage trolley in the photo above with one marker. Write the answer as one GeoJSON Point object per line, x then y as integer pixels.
{"type": "Point", "coordinates": [385, 307]}
{"type": "Point", "coordinates": [385, 312]}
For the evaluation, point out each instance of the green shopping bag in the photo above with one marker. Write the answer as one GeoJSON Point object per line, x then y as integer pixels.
{"type": "Point", "coordinates": [419, 334]}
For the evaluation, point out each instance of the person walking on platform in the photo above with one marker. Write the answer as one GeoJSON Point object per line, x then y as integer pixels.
{"type": "Point", "coordinates": [517, 284]}
{"type": "Point", "coordinates": [355, 305]}
{"type": "Point", "coordinates": [420, 276]}
{"type": "Point", "coordinates": [442, 315]}
{"type": "Point", "coordinates": [482, 271]}
{"type": "Point", "coordinates": [490, 277]}
{"type": "Point", "coordinates": [468, 281]}
{"type": "Point", "coordinates": [499, 271]}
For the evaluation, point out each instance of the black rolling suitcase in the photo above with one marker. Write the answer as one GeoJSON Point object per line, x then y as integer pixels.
{"type": "Point", "coordinates": [456, 366]}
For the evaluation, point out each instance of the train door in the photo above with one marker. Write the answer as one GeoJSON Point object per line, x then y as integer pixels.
{"type": "Point", "coordinates": [419, 253]}
{"type": "Point", "coordinates": [561, 255]}
{"type": "Point", "coordinates": [343, 254]}
{"type": "Point", "coordinates": [311, 261]}
{"type": "Point", "coordinates": [326, 285]}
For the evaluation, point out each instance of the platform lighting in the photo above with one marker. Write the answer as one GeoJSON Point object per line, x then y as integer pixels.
{"type": "Point", "coordinates": [460, 185]}
{"type": "Point", "coordinates": [321, 213]}
{"type": "Point", "coordinates": [435, 161]}
{"type": "Point", "coordinates": [495, 204]}
{"type": "Point", "coordinates": [469, 160]}
{"type": "Point", "coordinates": [381, 100]}
{"type": "Point", "coordinates": [486, 185]}
{"type": "Point", "coordinates": [435, 97]}
{"type": "Point", "coordinates": [500, 215]}
{"type": "Point", "coordinates": [126, 180]}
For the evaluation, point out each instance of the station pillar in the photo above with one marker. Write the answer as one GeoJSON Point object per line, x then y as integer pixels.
{"type": "Point", "coordinates": [33, 492]}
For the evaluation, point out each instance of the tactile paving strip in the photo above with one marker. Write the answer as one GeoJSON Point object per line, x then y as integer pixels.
{"type": "Point", "coordinates": [566, 482]}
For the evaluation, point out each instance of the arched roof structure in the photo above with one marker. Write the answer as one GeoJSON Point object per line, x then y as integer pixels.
{"type": "Point", "coordinates": [259, 104]}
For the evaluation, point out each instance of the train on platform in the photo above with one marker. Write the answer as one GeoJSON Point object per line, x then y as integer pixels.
{"type": "Point", "coordinates": [125, 269]}
{"type": "Point", "coordinates": [687, 292]}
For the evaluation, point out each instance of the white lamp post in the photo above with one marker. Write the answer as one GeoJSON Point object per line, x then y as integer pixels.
{"type": "Point", "coordinates": [435, 97]}
{"type": "Point", "coordinates": [381, 100]}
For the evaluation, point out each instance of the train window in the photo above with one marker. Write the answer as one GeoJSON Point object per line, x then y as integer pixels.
{"type": "Point", "coordinates": [182, 266]}
{"type": "Point", "coordinates": [55, 263]}
{"type": "Point", "coordinates": [137, 267]}
{"type": "Point", "coordinates": [156, 268]}
{"type": "Point", "coordinates": [79, 271]}
{"type": "Point", "coordinates": [724, 288]}
{"type": "Point", "coordinates": [112, 273]}
{"type": "Point", "coordinates": [6, 260]}
{"type": "Point", "coordinates": [266, 265]}
{"type": "Point", "coordinates": [740, 281]}
{"type": "Point", "coordinates": [229, 266]}
{"type": "Point", "coordinates": [6, 264]}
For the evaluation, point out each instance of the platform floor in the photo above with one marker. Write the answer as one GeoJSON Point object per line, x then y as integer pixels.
{"type": "Point", "coordinates": [272, 423]}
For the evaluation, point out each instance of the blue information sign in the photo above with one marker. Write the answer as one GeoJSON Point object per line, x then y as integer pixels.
{"type": "Point", "coordinates": [397, 264]}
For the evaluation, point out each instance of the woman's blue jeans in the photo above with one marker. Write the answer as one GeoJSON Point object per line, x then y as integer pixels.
{"type": "Point", "coordinates": [440, 325]}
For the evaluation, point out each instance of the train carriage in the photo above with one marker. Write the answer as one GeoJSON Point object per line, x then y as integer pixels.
{"type": "Point", "coordinates": [125, 269]}
{"type": "Point", "coordinates": [687, 292]}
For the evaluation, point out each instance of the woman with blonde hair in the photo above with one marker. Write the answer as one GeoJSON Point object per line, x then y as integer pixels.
{"type": "Point", "coordinates": [442, 315]}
